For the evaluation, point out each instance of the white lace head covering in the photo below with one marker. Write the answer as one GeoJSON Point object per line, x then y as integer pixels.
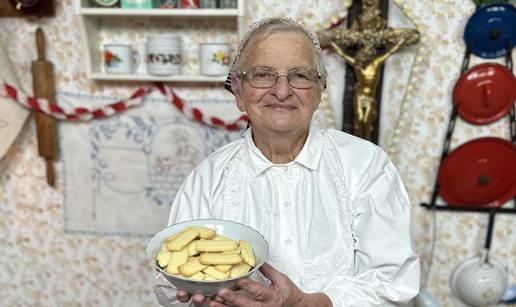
{"type": "Point", "coordinates": [261, 26]}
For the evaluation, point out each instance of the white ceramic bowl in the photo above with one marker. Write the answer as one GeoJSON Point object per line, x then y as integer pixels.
{"type": "Point", "coordinates": [233, 230]}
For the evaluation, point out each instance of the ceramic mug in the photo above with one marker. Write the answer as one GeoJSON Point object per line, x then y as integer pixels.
{"type": "Point", "coordinates": [214, 59]}
{"type": "Point", "coordinates": [120, 59]}
{"type": "Point", "coordinates": [164, 55]}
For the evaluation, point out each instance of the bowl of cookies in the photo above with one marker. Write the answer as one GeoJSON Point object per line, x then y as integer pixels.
{"type": "Point", "coordinates": [207, 255]}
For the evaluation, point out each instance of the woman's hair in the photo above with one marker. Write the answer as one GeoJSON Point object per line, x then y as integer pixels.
{"type": "Point", "coordinates": [265, 27]}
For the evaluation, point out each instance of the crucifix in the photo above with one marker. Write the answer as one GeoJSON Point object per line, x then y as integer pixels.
{"type": "Point", "coordinates": [373, 42]}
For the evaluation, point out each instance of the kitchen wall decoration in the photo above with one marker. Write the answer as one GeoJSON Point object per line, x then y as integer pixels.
{"type": "Point", "coordinates": [474, 176]}
{"type": "Point", "coordinates": [98, 24]}
{"type": "Point", "coordinates": [367, 33]}
{"type": "Point", "coordinates": [158, 147]}
{"type": "Point", "coordinates": [46, 125]}
{"type": "Point", "coordinates": [480, 174]}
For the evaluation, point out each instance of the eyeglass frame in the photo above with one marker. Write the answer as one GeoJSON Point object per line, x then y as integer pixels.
{"type": "Point", "coordinates": [243, 75]}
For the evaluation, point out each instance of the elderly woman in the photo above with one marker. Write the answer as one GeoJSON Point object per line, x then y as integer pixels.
{"type": "Point", "coordinates": [331, 206]}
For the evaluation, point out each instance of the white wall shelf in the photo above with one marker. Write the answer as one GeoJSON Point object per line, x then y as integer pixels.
{"type": "Point", "coordinates": [91, 18]}
{"type": "Point", "coordinates": [146, 77]}
{"type": "Point", "coordinates": [190, 13]}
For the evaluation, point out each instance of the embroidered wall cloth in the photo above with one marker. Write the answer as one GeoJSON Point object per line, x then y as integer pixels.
{"type": "Point", "coordinates": [121, 174]}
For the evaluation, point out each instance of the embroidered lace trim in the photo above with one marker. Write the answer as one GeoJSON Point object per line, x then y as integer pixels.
{"type": "Point", "coordinates": [233, 190]}
{"type": "Point", "coordinates": [233, 178]}
{"type": "Point", "coordinates": [343, 257]}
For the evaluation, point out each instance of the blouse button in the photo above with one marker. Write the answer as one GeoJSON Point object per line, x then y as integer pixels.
{"type": "Point", "coordinates": [288, 241]}
{"type": "Point", "coordinates": [286, 204]}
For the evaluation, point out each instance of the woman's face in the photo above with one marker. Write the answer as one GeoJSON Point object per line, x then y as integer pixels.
{"type": "Point", "coordinates": [281, 108]}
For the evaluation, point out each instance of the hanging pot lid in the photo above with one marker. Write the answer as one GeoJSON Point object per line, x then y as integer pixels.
{"type": "Point", "coordinates": [491, 29]}
{"type": "Point", "coordinates": [485, 93]}
{"type": "Point", "coordinates": [481, 173]}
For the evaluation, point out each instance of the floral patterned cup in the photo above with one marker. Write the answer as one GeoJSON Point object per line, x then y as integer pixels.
{"type": "Point", "coordinates": [214, 59]}
{"type": "Point", "coordinates": [120, 59]}
{"type": "Point", "coordinates": [164, 55]}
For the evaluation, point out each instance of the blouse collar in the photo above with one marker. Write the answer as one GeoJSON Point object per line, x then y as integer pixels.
{"type": "Point", "coordinates": [309, 156]}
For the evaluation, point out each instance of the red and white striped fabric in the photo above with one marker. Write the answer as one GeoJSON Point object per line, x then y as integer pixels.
{"type": "Point", "coordinates": [197, 115]}
{"type": "Point", "coordinates": [84, 114]}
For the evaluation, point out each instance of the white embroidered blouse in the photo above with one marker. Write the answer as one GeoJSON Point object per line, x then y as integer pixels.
{"type": "Point", "coordinates": [336, 218]}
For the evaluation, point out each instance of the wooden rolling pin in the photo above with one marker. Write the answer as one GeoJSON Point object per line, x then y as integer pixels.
{"type": "Point", "coordinates": [43, 85]}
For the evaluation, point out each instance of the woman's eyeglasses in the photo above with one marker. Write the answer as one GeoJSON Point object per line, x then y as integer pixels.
{"type": "Point", "coordinates": [267, 78]}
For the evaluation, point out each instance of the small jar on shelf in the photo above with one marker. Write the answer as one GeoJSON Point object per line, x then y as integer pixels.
{"type": "Point", "coordinates": [189, 4]}
{"type": "Point", "coordinates": [105, 3]}
{"type": "Point", "coordinates": [209, 4]}
{"type": "Point", "coordinates": [139, 4]}
{"type": "Point", "coordinates": [168, 4]}
{"type": "Point", "coordinates": [228, 4]}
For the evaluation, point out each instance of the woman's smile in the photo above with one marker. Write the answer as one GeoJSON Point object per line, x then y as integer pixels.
{"type": "Point", "coordinates": [281, 106]}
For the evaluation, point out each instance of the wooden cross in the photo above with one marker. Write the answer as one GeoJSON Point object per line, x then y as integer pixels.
{"type": "Point", "coordinates": [374, 42]}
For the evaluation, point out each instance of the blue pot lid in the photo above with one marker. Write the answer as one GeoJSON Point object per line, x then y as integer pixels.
{"type": "Point", "coordinates": [491, 30]}
{"type": "Point", "coordinates": [488, 2]}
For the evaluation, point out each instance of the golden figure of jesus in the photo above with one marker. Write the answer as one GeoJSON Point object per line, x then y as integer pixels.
{"type": "Point", "coordinates": [368, 34]}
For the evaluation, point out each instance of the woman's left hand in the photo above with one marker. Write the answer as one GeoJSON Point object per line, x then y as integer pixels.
{"type": "Point", "coordinates": [281, 292]}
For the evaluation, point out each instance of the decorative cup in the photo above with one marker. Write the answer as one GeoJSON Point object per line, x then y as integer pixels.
{"type": "Point", "coordinates": [214, 59]}
{"type": "Point", "coordinates": [164, 55]}
{"type": "Point", "coordinates": [120, 59]}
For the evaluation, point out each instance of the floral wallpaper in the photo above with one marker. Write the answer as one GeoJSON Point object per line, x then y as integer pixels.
{"type": "Point", "coordinates": [41, 265]}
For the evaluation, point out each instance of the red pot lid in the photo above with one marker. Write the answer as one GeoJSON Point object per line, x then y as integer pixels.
{"type": "Point", "coordinates": [481, 172]}
{"type": "Point", "coordinates": [485, 93]}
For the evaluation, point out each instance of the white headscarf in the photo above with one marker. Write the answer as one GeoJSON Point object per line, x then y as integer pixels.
{"type": "Point", "coordinates": [255, 25]}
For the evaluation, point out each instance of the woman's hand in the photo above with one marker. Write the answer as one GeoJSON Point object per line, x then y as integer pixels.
{"type": "Point", "coordinates": [197, 299]}
{"type": "Point", "coordinates": [281, 292]}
